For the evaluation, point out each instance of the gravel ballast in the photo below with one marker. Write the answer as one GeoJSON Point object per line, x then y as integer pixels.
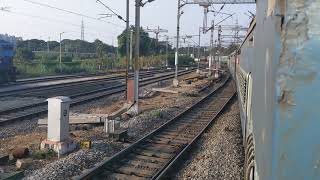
{"type": "Point", "coordinates": [219, 154]}
{"type": "Point", "coordinates": [103, 147]}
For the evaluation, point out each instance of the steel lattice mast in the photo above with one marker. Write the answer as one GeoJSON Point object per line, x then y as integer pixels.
{"type": "Point", "coordinates": [210, 2]}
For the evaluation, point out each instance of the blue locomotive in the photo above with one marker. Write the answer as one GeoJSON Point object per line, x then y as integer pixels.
{"type": "Point", "coordinates": [7, 70]}
{"type": "Point", "coordinates": [278, 82]}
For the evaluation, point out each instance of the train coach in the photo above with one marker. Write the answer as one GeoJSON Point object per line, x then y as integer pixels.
{"type": "Point", "coordinates": [276, 71]}
{"type": "Point", "coordinates": [7, 70]}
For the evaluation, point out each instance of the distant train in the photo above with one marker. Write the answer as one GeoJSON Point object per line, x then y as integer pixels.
{"type": "Point", "coordinates": [7, 70]}
{"type": "Point", "coordinates": [278, 82]}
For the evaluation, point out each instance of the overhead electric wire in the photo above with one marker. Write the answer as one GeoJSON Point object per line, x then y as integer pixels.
{"type": "Point", "coordinates": [113, 12]}
{"type": "Point", "coordinates": [70, 12]}
{"type": "Point", "coordinates": [43, 18]}
{"type": "Point", "coordinates": [52, 20]}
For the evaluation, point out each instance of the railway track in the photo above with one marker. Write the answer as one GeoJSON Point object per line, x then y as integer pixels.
{"type": "Point", "coordinates": [43, 91]}
{"type": "Point", "coordinates": [59, 77]}
{"type": "Point", "coordinates": [156, 155]}
{"type": "Point", "coordinates": [31, 110]}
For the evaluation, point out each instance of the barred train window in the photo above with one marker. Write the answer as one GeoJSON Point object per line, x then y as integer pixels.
{"type": "Point", "coordinates": [242, 82]}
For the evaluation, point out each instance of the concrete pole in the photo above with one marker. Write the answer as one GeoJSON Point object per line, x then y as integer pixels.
{"type": "Point", "coordinates": [199, 50]}
{"type": "Point", "coordinates": [127, 47]}
{"type": "Point", "coordinates": [60, 57]}
{"type": "Point", "coordinates": [48, 46]}
{"type": "Point", "coordinates": [188, 49]}
{"type": "Point", "coordinates": [176, 81]}
{"type": "Point", "coordinates": [211, 48]}
{"type": "Point", "coordinates": [167, 53]}
{"type": "Point", "coordinates": [193, 51]}
{"type": "Point", "coordinates": [136, 58]}
{"type": "Point", "coordinates": [131, 48]}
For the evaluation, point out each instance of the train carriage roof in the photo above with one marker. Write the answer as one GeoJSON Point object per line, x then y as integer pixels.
{"type": "Point", "coordinates": [250, 30]}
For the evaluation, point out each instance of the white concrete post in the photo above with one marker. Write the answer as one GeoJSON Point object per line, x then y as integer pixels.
{"type": "Point", "coordinates": [58, 118]}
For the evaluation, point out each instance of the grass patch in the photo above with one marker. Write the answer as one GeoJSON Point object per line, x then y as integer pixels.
{"type": "Point", "coordinates": [157, 114]}
{"type": "Point", "coordinates": [44, 154]}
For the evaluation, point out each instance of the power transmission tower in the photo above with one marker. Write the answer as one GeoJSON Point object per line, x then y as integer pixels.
{"type": "Point", "coordinates": [207, 3]}
{"type": "Point", "coordinates": [210, 2]}
{"type": "Point", "coordinates": [156, 31]}
{"type": "Point", "coordinates": [82, 30]}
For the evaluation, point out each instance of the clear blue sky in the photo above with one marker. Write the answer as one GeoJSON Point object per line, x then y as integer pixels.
{"type": "Point", "coordinates": [32, 21]}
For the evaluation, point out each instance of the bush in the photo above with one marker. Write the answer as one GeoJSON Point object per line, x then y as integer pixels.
{"type": "Point", "coordinates": [23, 54]}
{"type": "Point", "coordinates": [44, 154]}
{"type": "Point", "coordinates": [26, 70]}
{"type": "Point", "coordinates": [183, 60]}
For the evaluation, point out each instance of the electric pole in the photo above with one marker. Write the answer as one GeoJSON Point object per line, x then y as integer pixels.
{"type": "Point", "coordinates": [176, 81]}
{"type": "Point", "coordinates": [199, 50]}
{"type": "Point", "coordinates": [82, 30]}
{"type": "Point", "coordinates": [131, 48]}
{"type": "Point", "coordinates": [167, 53]}
{"type": "Point", "coordinates": [136, 57]}
{"type": "Point", "coordinates": [127, 47]}
{"type": "Point", "coordinates": [193, 51]}
{"type": "Point", "coordinates": [60, 53]}
{"type": "Point", "coordinates": [48, 46]}
{"type": "Point", "coordinates": [188, 49]}
{"type": "Point", "coordinates": [211, 48]}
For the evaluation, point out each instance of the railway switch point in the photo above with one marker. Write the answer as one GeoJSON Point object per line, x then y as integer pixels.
{"type": "Point", "coordinates": [58, 126]}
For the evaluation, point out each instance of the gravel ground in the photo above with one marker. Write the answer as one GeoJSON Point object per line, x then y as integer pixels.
{"type": "Point", "coordinates": [219, 155]}
{"type": "Point", "coordinates": [143, 124]}
{"type": "Point", "coordinates": [74, 163]}
{"type": "Point", "coordinates": [103, 146]}
{"type": "Point", "coordinates": [22, 127]}
{"type": "Point", "coordinates": [6, 102]}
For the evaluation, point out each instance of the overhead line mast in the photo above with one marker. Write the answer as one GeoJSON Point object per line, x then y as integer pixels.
{"type": "Point", "coordinates": [82, 30]}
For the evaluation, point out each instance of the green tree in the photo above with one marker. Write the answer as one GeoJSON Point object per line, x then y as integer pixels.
{"type": "Point", "coordinates": [145, 42]}
{"type": "Point", "coordinates": [231, 49]}
{"type": "Point", "coordinates": [23, 54]}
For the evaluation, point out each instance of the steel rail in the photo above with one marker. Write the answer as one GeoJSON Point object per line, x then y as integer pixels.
{"type": "Point", "coordinates": [41, 108]}
{"type": "Point", "coordinates": [15, 108]}
{"type": "Point", "coordinates": [68, 84]}
{"type": "Point", "coordinates": [154, 155]}
{"type": "Point", "coordinates": [59, 77]}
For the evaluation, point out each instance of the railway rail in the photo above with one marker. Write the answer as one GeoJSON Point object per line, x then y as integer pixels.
{"type": "Point", "coordinates": [31, 110]}
{"type": "Point", "coordinates": [43, 91]}
{"type": "Point", "coordinates": [156, 155]}
{"type": "Point", "coordinates": [61, 77]}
